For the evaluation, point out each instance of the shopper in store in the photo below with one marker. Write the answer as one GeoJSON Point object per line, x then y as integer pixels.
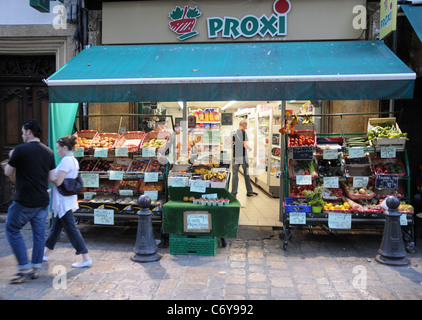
{"type": "Point", "coordinates": [33, 163]}
{"type": "Point", "coordinates": [64, 206]}
{"type": "Point", "coordinates": [240, 158]}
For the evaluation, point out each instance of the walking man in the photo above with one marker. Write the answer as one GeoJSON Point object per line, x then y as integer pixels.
{"type": "Point", "coordinates": [240, 158]}
{"type": "Point", "coordinates": [34, 165]}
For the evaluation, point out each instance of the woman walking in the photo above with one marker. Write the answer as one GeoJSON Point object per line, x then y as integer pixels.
{"type": "Point", "coordinates": [64, 206]}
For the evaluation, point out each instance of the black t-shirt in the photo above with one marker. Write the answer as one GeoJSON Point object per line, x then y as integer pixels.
{"type": "Point", "coordinates": [32, 161]}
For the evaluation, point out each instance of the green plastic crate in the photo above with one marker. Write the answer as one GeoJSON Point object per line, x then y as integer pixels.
{"type": "Point", "coordinates": [193, 245]}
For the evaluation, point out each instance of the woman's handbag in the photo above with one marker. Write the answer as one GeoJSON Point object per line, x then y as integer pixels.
{"type": "Point", "coordinates": [70, 186]}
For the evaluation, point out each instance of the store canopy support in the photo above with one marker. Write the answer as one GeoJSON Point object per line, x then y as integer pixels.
{"type": "Point", "coordinates": [340, 70]}
{"type": "Point", "coordinates": [414, 14]}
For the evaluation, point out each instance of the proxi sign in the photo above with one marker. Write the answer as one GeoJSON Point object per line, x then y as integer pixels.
{"type": "Point", "coordinates": [250, 25]}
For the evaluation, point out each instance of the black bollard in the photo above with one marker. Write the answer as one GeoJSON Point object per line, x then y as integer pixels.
{"type": "Point", "coordinates": [145, 246]}
{"type": "Point", "coordinates": [392, 251]}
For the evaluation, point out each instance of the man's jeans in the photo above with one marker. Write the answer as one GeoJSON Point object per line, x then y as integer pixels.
{"type": "Point", "coordinates": [235, 179]}
{"type": "Point", "coordinates": [17, 217]}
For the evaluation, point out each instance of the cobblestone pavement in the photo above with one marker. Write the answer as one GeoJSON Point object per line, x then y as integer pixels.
{"type": "Point", "coordinates": [318, 265]}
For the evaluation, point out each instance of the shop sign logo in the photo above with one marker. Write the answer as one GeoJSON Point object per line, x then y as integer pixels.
{"type": "Point", "coordinates": [250, 25]}
{"type": "Point", "coordinates": [183, 21]}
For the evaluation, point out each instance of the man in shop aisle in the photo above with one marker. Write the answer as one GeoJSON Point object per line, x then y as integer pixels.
{"type": "Point", "coordinates": [240, 157]}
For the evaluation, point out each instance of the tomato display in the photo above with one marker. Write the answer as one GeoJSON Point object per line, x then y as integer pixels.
{"type": "Point", "coordinates": [301, 141]}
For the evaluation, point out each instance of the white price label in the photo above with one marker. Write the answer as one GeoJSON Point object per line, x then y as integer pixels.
{"type": "Point", "coordinates": [121, 152]}
{"type": "Point", "coordinates": [388, 152]}
{"type": "Point", "coordinates": [297, 217]}
{"type": "Point", "coordinates": [101, 152]}
{"type": "Point", "coordinates": [339, 220]}
{"type": "Point", "coordinates": [104, 216]}
{"type": "Point", "coordinates": [330, 154]}
{"type": "Point", "coordinates": [356, 153]}
{"type": "Point", "coordinates": [331, 182]}
{"type": "Point", "coordinates": [116, 175]}
{"type": "Point", "coordinates": [360, 182]}
{"type": "Point", "coordinates": [90, 180]}
{"type": "Point", "coordinates": [304, 180]}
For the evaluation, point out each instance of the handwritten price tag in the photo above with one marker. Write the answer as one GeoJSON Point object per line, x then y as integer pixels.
{"type": "Point", "coordinates": [178, 182]}
{"type": "Point", "coordinates": [79, 152]}
{"type": "Point", "coordinates": [148, 152]}
{"type": "Point", "coordinates": [121, 152]}
{"type": "Point", "coordinates": [330, 182]}
{"type": "Point", "coordinates": [339, 220]}
{"type": "Point", "coordinates": [101, 153]}
{"type": "Point", "coordinates": [297, 217]}
{"type": "Point", "coordinates": [90, 180]}
{"type": "Point", "coordinates": [151, 177]}
{"type": "Point", "coordinates": [360, 182]}
{"type": "Point", "coordinates": [330, 154]}
{"type": "Point", "coordinates": [304, 180]}
{"type": "Point", "coordinates": [388, 152]}
{"type": "Point", "coordinates": [198, 186]}
{"type": "Point", "coordinates": [116, 175]}
{"type": "Point", "coordinates": [153, 194]}
{"type": "Point", "coordinates": [104, 216]}
{"type": "Point", "coordinates": [356, 152]}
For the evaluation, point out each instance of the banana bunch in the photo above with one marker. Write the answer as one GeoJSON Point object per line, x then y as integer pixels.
{"type": "Point", "coordinates": [215, 175]}
{"type": "Point", "coordinates": [306, 119]}
{"type": "Point", "coordinates": [202, 171]}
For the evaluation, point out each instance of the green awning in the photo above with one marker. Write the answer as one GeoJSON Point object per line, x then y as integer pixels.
{"type": "Point", "coordinates": [414, 15]}
{"type": "Point", "coordinates": [343, 70]}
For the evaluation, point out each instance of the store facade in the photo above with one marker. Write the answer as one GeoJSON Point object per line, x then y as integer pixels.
{"type": "Point", "coordinates": [232, 51]}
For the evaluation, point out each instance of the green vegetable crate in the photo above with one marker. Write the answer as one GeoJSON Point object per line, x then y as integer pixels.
{"type": "Point", "coordinates": [193, 245]}
{"type": "Point", "coordinates": [395, 136]}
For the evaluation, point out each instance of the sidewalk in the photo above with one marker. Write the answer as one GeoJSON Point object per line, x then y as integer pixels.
{"type": "Point", "coordinates": [318, 265]}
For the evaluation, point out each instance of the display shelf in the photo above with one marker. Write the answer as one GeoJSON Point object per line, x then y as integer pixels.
{"type": "Point", "coordinates": [344, 219]}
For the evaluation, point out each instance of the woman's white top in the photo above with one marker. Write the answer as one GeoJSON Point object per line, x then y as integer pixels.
{"type": "Point", "coordinates": [61, 203]}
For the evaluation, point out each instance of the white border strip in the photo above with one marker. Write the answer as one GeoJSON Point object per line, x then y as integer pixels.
{"type": "Point", "coordinates": [233, 79]}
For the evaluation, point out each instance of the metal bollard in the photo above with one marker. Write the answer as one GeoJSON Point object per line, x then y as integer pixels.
{"type": "Point", "coordinates": [392, 251]}
{"type": "Point", "coordinates": [145, 246]}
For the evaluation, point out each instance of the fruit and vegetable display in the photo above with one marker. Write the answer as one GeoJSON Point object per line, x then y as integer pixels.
{"type": "Point", "coordinates": [330, 168]}
{"type": "Point", "coordinates": [388, 167]}
{"type": "Point", "coordinates": [154, 143]}
{"type": "Point", "coordinates": [303, 167]}
{"type": "Point", "coordinates": [82, 142]}
{"type": "Point", "coordinates": [104, 141]}
{"type": "Point", "coordinates": [384, 130]}
{"type": "Point", "coordinates": [300, 140]}
{"type": "Point", "coordinates": [138, 165]}
{"type": "Point", "coordinates": [357, 142]}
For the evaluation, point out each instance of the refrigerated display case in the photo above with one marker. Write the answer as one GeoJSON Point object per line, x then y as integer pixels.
{"type": "Point", "coordinates": [268, 152]}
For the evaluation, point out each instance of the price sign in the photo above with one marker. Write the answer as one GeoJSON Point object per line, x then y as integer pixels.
{"type": "Point", "coordinates": [90, 180]}
{"type": "Point", "coordinates": [126, 193]}
{"type": "Point", "coordinates": [116, 175]}
{"type": "Point", "coordinates": [104, 216]}
{"type": "Point", "coordinates": [356, 153]}
{"type": "Point", "coordinates": [304, 180]}
{"type": "Point", "coordinates": [303, 153]}
{"type": "Point", "coordinates": [197, 221]}
{"type": "Point", "coordinates": [153, 194]}
{"type": "Point", "coordinates": [151, 177]}
{"type": "Point", "coordinates": [388, 152]}
{"type": "Point", "coordinates": [101, 152]}
{"type": "Point", "coordinates": [403, 219]}
{"type": "Point", "coordinates": [297, 217]}
{"type": "Point", "coordinates": [339, 220]}
{"type": "Point", "coordinates": [210, 196]}
{"type": "Point", "coordinates": [121, 152]}
{"type": "Point", "coordinates": [79, 152]}
{"type": "Point", "coordinates": [89, 195]}
{"type": "Point", "coordinates": [148, 152]}
{"type": "Point", "coordinates": [330, 154]}
{"type": "Point", "coordinates": [360, 182]}
{"type": "Point", "coordinates": [386, 181]}
{"type": "Point", "coordinates": [198, 186]}
{"type": "Point", "coordinates": [178, 182]}
{"type": "Point", "coordinates": [330, 182]}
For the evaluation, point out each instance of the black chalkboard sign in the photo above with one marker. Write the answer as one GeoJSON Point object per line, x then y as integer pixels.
{"type": "Point", "coordinates": [386, 181]}
{"type": "Point", "coordinates": [303, 153]}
